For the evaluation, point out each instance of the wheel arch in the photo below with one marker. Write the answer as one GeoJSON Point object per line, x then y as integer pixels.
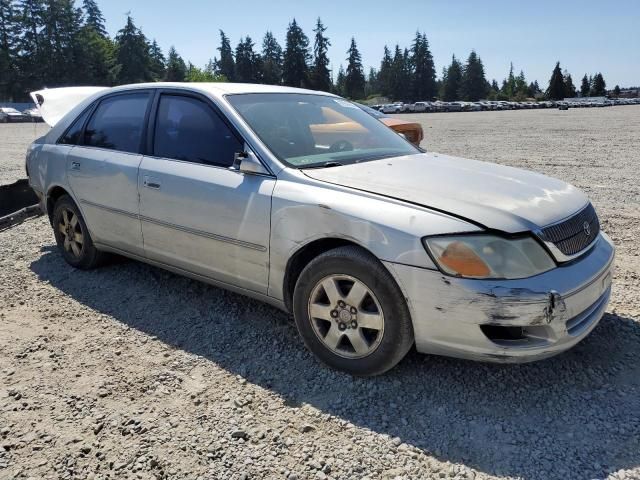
{"type": "Point", "coordinates": [53, 194]}
{"type": "Point", "coordinates": [303, 256]}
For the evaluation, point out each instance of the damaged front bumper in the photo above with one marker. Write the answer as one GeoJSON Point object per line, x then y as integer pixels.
{"type": "Point", "coordinates": [508, 320]}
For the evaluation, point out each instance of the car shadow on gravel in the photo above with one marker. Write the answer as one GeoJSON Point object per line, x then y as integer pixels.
{"type": "Point", "coordinates": [573, 416]}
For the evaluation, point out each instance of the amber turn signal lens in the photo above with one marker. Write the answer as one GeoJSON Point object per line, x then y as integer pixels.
{"type": "Point", "coordinates": [462, 260]}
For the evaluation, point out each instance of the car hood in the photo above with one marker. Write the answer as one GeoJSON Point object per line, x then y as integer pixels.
{"type": "Point", "coordinates": [491, 195]}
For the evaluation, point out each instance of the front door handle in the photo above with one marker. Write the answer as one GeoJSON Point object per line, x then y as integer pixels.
{"type": "Point", "coordinates": [75, 165]}
{"type": "Point", "coordinates": [150, 182]}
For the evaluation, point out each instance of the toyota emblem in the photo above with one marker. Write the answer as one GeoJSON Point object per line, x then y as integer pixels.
{"type": "Point", "coordinates": [587, 228]}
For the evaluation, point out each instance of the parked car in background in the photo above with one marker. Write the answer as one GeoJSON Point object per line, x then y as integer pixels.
{"type": "Point", "coordinates": [412, 131]}
{"type": "Point", "coordinates": [34, 115]}
{"type": "Point", "coordinates": [11, 115]}
{"type": "Point", "coordinates": [372, 244]}
{"type": "Point", "coordinates": [390, 108]}
{"type": "Point", "coordinates": [453, 106]}
{"type": "Point", "coordinates": [420, 107]}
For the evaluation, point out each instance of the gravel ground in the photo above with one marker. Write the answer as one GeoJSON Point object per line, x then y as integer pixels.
{"type": "Point", "coordinates": [14, 140]}
{"type": "Point", "coordinates": [132, 372]}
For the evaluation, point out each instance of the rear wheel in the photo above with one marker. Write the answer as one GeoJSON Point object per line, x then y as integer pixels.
{"type": "Point", "coordinates": [351, 313]}
{"type": "Point", "coordinates": [72, 235]}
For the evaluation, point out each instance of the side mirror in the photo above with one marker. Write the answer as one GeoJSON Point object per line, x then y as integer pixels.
{"type": "Point", "coordinates": [247, 162]}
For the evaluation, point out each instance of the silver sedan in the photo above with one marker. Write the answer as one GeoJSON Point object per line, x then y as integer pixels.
{"type": "Point", "coordinates": [301, 199]}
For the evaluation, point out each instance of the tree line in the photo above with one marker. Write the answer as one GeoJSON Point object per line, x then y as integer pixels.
{"type": "Point", "coordinates": [51, 43]}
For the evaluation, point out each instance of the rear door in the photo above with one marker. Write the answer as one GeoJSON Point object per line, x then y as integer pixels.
{"type": "Point", "coordinates": [103, 169]}
{"type": "Point", "coordinates": [197, 213]}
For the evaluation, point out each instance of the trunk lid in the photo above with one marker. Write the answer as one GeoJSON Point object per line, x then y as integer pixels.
{"type": "Point", "coordinates": [55, 103]}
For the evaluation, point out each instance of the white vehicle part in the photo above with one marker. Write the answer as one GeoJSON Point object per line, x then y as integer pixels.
{"type": "Point", "coordinates": [55, 103]}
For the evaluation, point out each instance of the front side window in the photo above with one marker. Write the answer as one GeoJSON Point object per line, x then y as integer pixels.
{"type": "Point", "coordinates": [118, 122]}
{"type": "Point", "coordinates": [188, 129]}
{"type": "Point", "coordinates": [306, 131]}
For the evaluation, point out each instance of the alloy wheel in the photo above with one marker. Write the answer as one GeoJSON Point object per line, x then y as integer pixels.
{"type": "Point", "coordinates": [71, 231]}
{"type": "Point", "coordinates": [346, 316]}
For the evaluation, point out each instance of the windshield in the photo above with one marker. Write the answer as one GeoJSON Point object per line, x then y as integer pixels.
{"type": "Point", "coordinates": [307, 131]}
{"type": "Point", "coordinates": [374, 113]}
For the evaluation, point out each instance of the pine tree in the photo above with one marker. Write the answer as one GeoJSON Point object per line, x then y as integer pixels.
{"type": "Point", "coordinates": [371, 86]}
{"type": "Point", "coordinates": [248, 63]}
{"type": "Point", "coordinates": [31, 61]}
{"type": "Point", "coordinates": [452, 84]}
{"type": "Point", "coordinates": [176, 68]}
{"type": "Point", "coordinates": [93, 16]}
{"type": "Point", "coordinates": [400, 74]}
{"type": "Point", "coordinates": [522, 89]}
{"type": "Point", "coordinates": [569, 87]}
{"type": "Point", "coordinates": [474, 83]}
{"type": "Point", "coordinates": [61, 24]}
{"type": "Point", "coordinates": [158, 62]}
{"type": "Point", "coordinates": [295, 69]}
{"type": "Point", "coordinates": [226, 65]}
{"type": "Point", "coordinates": [385, 73]}
{"type": "Point", "coordinates": [94, 58]}
{"type": "Point", "coordinates": [9, 31]}
{"type": "Point", "coordinates": [616, 91]}
{"type": "Point", "coordinates": [354, 81]}
{"type": "Point", "coordinates": [585, 86]}
{"type": "Point", "coordinates": [494, 86]}
{"type": "Point", "coordinates": [556, 91]}
{"type": "Point", "coordinates": [271, 60]}
{"type": "Point", "coordinates": [320, 72]}
{"type": "Point", "coordinates": [423, 72]}
{"type": "Point", "coordinates": [340, 82]}
{"type": "Point", "coordinates": [599, 86]}
{"type": "Point", "coordinates": [509, 86]}
{"type": "Point", "coordinates": [534, 89]}
{"type": "Point", "coordinates": [133, 58]}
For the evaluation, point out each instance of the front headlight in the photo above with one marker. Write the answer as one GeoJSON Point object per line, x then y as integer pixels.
{"type": "Point", "coordinates": [488, 256]}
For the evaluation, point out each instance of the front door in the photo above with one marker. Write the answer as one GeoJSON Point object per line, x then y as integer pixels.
{"type": "Point", "coordinates": [197, 214]}
{"type": "Point", "coordinates": [103, 170]}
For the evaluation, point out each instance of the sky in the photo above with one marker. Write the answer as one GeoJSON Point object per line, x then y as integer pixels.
{"type": "Point", "coordinates": [585, 36]}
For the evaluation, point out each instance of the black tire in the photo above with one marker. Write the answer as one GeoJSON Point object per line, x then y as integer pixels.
{"type": "Point", "coordinates": [87, 256]}
{"type": "Point", "coordinates": [352, 261]}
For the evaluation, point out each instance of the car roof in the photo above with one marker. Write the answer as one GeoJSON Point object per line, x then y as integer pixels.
{"type": "Point", "coordinates": [218, 89]}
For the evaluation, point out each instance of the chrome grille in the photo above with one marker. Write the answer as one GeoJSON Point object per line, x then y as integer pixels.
{"type": "Point", "coordinates": [574, 234]}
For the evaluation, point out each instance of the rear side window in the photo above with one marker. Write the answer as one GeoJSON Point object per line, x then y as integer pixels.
{"type": "Point", "coordinates": [117, 123]}
{"type": "Point", "coordinates": [72, 137]}
{"type": "Point", "coordinates": [188, 129]}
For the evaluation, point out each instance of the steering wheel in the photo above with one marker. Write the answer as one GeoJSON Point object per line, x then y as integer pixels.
{"type": "Point", "coordinates": [341, 146]}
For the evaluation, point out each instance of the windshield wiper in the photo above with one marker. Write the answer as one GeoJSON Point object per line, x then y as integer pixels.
{"type": "Point", "coordinates": [331, 163]}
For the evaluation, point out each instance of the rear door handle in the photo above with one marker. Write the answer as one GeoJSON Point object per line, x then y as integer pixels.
{"type": "Point", "coordinates": [150, 182]}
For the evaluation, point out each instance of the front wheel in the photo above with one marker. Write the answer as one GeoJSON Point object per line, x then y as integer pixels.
{"type": "Point", "coordinates": [351, 313]}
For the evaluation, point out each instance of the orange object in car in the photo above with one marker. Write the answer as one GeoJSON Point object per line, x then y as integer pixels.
{"type": "Point", "coordinates": [411, 130]}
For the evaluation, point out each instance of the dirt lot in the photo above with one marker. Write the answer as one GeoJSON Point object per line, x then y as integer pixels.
{"type": "Point", "coordinates": [14, 140]}
{"type": "Point", "coordinates": [131, 372]}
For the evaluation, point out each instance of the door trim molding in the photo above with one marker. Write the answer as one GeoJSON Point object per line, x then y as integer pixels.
{"type": "Point", "coordinates": [181, 228]}
{"type": "Point", "coordinates": [201, 233]}
{"type": "Point", "coordinates": [110, 209]}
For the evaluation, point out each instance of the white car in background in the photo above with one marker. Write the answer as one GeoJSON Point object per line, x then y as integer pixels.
{"type": "Point", "coordinates": [11, 115]}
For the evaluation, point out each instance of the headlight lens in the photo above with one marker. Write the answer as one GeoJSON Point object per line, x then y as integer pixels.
{"type": "Point", "coordinates": [489, 256]}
